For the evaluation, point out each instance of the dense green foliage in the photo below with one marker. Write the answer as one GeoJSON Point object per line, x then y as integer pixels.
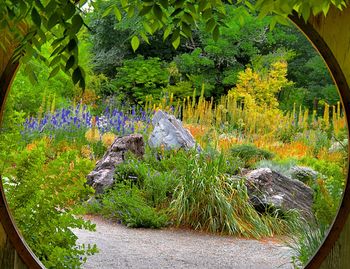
{"type": "Point", "coordinates": [328, 190]}
{"type": "Point", "coordinates": [27, 25]}
{"type": "Point", "coordinates": [189, 190]}
{"type": "Point", "coordinates": [125, 204]}
{"type": "Point", "coordinates": [198, 61]}
{"type": "Point", "coordinates": [177, 19]}
{"type": "Point", "coordinates": [28, 95]}
{"type": "Point", "coordinates": [201, 61]}
{"type": "Point", "coordinates": [44, 187]}
{"type": "Point", "coordinates": [139, 78]}
{"type": "Point", "coordinates": [59, 130]}
{"type": "Point", "coordinates": [58, 22]}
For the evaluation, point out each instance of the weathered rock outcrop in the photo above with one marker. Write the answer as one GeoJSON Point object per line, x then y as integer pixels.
{"type": "Point", "coordinates": [102, 175]}
{"type": "Point", "coordinates": [169, 132]}
{"type": "Point", "coordinates": [268, 188]}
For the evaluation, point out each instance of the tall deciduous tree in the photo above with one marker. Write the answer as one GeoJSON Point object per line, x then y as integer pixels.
{"type": "Point", "coordinates": [263, 88]}
{"type": "Point", "coordinates": [31, 23]}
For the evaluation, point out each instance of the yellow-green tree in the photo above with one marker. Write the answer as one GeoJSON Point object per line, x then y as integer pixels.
{"type": "Point", "coordinates": [262, 88]}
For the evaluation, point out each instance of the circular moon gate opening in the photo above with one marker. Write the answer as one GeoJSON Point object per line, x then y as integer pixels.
{"type": "Point", "coordinates": [320, 32]}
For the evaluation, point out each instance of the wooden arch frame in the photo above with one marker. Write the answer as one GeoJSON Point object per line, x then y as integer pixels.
{"type": "Point", "coordinates": [331, 38]}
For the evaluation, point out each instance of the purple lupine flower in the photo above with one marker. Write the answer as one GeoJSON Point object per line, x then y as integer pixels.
{"type": "Point", "coordinates": [64, 119]}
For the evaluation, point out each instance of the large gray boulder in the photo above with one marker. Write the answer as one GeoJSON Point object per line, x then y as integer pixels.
{"type": "Point", "coordinates": [102, 175]}
{"type": "Point", "coordinates": [169, 132]}
{"type": "Point", "coordinates": [269, 189]}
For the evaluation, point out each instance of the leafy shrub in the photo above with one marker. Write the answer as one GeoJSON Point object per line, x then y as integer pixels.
{"type": "Point", "coordinates": [198, 69]}
{"type": "Point", "coordinates": [180, 90]}
{"type": "Point", "coordinates": [27, 95]}
{"type": "Point", "coordinates": [263, 88]}
{"type": "Point", "coordinates": [43, 188]}
{"type": "Point", "coordinates": [130, 173]}
{"type": "Point", "coordinates": [159, 188]}
{"type": "Point", "coordinates": [156, 178]}
{"type": "Point", "coordinates": [328, 190]}
{"type": "Point", "coordinates": [250, 154]}
{"type": "Point", "coordinates": [126, 204]}
{"type": "Point", "coordinates": [140, 77]}
{"type": "Point", "coordinates": [324, 207]}
{"type": "Point", "coordinates": [165, 160]}
{"type": "Point", "coordinates": [335, 175]}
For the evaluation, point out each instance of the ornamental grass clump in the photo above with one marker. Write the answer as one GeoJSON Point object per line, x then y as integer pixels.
{"type": "Point", "coordinates": [306, 243]}
{"type": "Point", "coordinates": [189, 189]}
{"type": "Point", "coordinates": [208, 199]}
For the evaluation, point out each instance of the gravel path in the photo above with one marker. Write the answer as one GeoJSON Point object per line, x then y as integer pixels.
{"type": "Point", "coordinates": [121, 247]}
